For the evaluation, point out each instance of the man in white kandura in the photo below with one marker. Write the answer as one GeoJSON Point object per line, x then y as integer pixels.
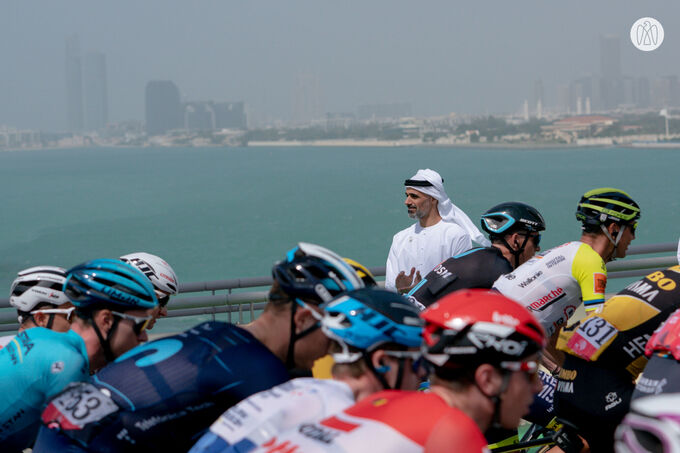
{"type": "Point", "coordinates": [443, 230]}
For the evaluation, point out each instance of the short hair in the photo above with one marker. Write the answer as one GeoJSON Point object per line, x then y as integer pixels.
{"type": "Point", "coordinates": [26, 316]}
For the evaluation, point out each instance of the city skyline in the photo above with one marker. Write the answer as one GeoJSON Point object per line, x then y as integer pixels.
{"type": "Point", "coordinates": [437, 57]}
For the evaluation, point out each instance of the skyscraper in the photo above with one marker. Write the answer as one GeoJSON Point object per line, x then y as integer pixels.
{"type": "Point", "coordinates": [163, 109]}
{"type": "Point", "coordinates": [74, 87]}
{"type": "Point", "coordinates": [230, 115]}
{"type": "Point", "coordinates": [95, 94]}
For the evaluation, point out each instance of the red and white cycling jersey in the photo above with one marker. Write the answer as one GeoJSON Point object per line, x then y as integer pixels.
{"type": "Point", "coordinates": [389, 421]}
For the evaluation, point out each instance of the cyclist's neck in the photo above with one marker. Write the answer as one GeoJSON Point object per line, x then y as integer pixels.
{"type": "Point", "coordinates": [469, 399]}
{"type": "Point", "coordinates": [600, 243]}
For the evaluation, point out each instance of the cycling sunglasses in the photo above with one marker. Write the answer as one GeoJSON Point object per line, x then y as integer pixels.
{"type": "Point", "coordinates": [163, 298]}
{"type": "Point", "coordinates": [60, 311]}
{"type": "Point", "coordinates": [530, 367]}
{"type": "Point", "coordinates": [140, 322]}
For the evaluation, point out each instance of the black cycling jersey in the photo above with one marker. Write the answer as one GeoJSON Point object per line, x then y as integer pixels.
{"type": "Point", "coordinates": [162, 395]}
{"type": "Point", "coordinates": [594, 399]}
{"type": "Point", "coordinates": [606, 353]}
{"type": "Point", "coordinates": [661, 375]}
{"type": "Point", "coordinates": [476, 268]}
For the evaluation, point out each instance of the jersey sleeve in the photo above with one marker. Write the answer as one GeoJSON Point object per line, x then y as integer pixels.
{"type": "Point", "coordinates": [590, 272]}
{"type": "Point", "coordinates": [455, 429]}
{"type": "Point", "coordinates": [64, 368]}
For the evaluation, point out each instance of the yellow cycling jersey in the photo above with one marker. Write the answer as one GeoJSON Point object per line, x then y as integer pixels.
{"type": "Point", "coordinates": [616, 334]}
{"type": "Point", "coordinates": [553, 284]}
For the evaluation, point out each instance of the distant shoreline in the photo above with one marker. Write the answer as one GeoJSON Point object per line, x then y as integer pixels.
{"type": "Point", "coordinates": [373, 144]}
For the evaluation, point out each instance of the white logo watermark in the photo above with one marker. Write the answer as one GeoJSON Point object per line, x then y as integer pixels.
{"type": "Point", "coordinates": [646, 34]}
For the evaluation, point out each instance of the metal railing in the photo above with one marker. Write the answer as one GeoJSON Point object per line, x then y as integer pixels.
{"type": "Point", "coordinates": [243, 306]}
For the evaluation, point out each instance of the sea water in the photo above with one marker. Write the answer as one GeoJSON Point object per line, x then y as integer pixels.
{"type": "Point", "coordinates": [218, 213]}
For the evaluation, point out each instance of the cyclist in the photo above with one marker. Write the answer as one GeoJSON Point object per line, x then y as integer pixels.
{"type": "Point", "coordinates": [605, 354]}
{"type": "Point", "coordinates": [162, 276]}
{"type": "Point", "coordinates": [514, 230]}
{"type": "Point", "coordinates": [164, 394]}
{"type": "Point", "coordinates": [484, 351]}
{"type": "Point", "coordinates": [37, 295]}
{"type": "Point", "coordinates": [661, 373]}
{"type": "Point", "coordinates": [553, 284]}
{"type": "Point", "coordinates": [113, 304]}
{"type": "Point", "coordinates": [374, 338]}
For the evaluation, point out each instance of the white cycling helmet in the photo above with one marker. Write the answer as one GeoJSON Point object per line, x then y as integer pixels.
{"type": "Point", "coordinates": [156, 269]}
{"type": "Point", "coordinates": [35, 285]}
{"type": "Point", "coordinates": [652, 425]}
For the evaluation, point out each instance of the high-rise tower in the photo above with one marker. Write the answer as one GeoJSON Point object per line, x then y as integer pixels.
{"type": "Point", "coordinates": [74, 87]}
{"type": "Point", "coordinates": [95, 92]}
{"type": "Point", "coordinates": [163, 109]}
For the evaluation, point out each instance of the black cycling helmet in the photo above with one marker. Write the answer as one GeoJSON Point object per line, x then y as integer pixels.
{"type": "Point", "coordinates": [605, 205]}
{"type": "Point", "coordinates": [510, 217]}
{"type": "Point", "coordinates": [314, 274]}
{"type": "Point", "coordinates": [311, 274]}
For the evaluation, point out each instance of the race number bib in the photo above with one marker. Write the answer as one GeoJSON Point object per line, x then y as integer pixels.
{"type": "Point", "coordinates": [592, 337]}
{"type": "Point", "coordinates": [77, 406]}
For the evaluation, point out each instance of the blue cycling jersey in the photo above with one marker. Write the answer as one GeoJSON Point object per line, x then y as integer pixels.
{"type": "Point", "coordinates": [166, 392]}
{"type": "Point", "coordinates": [35, 365]}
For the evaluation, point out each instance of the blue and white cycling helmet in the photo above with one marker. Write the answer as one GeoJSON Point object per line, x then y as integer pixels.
{"type": "Point", "coordinates": [109, 283]}
{"type": "Point", "coordinates": [652, 425]}
{"type": "Point", "coordinates": [368, 318]}
{"type": "Point", "coordinates": [315, 274]}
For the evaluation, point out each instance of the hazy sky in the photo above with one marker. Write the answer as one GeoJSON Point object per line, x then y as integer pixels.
{"type": "Point", "coordinates": [441, 56]}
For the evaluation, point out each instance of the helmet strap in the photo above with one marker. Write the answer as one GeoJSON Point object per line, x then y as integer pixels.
{"type": "Point", "coordinates": [518, 252]}
{"type": "Point", "coordinates": [400, 374]}
{"type": "Point", "coordinates": [612, 240]}
{"type": "Point", "coordinates": [50, 321]}
{"type": "Point", "coordinates": [381, 376]}
{"type": "Point", "coordinates": [497, 400]}
{"type": "Point", "coordinates": [106, 343]}
{"type": "Point", "coordinates": [290, 355]}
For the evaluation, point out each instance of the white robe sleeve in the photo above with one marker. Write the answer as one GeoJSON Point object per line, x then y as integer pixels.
{"type": "Point", "coordinates": [392, 268]}
{"type": "Point", "coordinates": [460, 243]}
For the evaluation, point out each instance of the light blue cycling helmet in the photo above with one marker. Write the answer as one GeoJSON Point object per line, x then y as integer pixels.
{"type": "Point", "coordinates": [369, 319]}
{"type": "Point", "coordinates": [366, 319]}
{"type": "Point", "coordinates": [109, 283]}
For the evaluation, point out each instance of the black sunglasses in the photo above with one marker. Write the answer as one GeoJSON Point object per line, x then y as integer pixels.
{"type": "Point", "coordinates": [536, 238]}
{"type": "Point", "coordinates": [163, 301]}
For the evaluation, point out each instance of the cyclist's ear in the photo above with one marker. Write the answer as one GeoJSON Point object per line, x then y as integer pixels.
{"type": "Point", "coordinates": [613, 229]}
{"type": "Point", "coordinates": [104, 320]}
{"type": "Point", "coordinates": [303, 319]}
{"type": "Point", "coordinates": [488, 380]}
{"type": "Point", "coordinates": [379, 361]}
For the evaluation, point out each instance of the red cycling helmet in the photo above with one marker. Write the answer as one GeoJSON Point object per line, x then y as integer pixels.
{"type": "Point", "coordinates": [476, 326]}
